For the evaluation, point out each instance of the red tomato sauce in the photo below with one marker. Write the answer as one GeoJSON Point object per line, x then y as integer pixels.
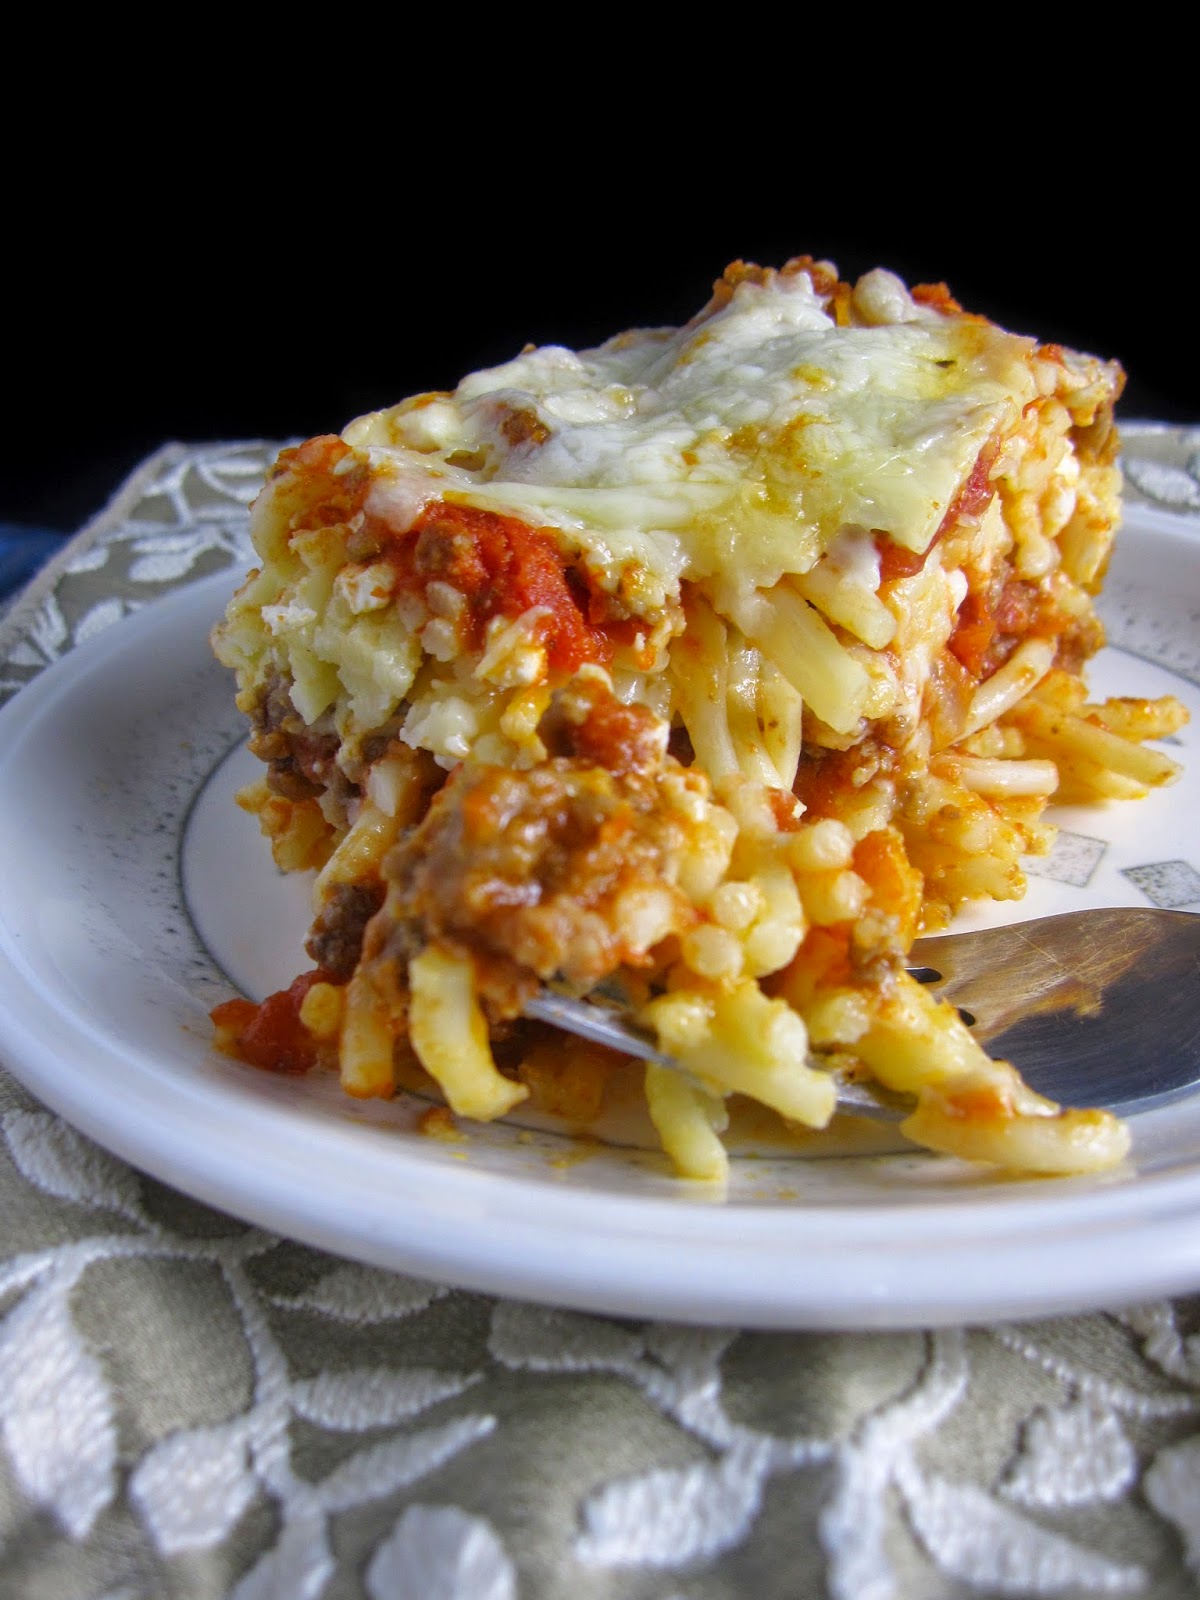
{"type": "Point", "coordinates": [504, 567]}
{"type": "Point", "coordinates": [271, 1035]}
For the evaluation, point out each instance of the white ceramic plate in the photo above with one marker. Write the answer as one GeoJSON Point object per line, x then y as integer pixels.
{"type": "Point", "coordinates": [119, 841]}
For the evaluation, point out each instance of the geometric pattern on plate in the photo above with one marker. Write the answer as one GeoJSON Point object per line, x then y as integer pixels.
{"type": "Point", "coordinates": [1073, 858]}
{"type": "Point", "coordinates": [1171, 884]}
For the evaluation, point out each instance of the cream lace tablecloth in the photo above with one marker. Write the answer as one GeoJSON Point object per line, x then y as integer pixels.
{"type": "Point", "coordinates": [191, 1408]}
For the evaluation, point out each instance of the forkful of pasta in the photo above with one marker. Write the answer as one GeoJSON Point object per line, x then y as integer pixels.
{"type": "Point", "coordinates": [1095, 1008]}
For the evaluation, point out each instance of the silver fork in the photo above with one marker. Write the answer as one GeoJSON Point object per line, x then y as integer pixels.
{"type": "Point", "coordinates": [1095, 1008]}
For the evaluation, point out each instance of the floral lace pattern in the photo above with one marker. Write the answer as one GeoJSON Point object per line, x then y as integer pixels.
{"type": "Point", "coordinates": [191, 1407]}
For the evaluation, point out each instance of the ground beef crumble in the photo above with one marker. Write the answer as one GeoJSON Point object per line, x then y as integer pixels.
{"type": "Point", "coordinates": [549, 869]}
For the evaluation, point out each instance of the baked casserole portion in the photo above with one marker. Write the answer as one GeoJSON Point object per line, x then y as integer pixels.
{"type": "Point", "coordinates": [710, 666]}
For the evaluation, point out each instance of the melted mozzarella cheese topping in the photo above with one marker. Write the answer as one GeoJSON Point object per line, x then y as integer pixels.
{"type": "Point", "coordinates": [738, 448]}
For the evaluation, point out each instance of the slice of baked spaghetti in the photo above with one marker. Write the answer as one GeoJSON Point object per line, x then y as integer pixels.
{"type": "Point", "coordinates": [710, 666]}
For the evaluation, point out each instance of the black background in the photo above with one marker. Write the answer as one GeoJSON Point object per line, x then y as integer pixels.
{"type": "Point", "coordinates": [273, 301]}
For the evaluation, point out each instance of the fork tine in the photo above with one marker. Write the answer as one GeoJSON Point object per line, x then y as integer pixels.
{"type": "Point", "coordinates": [592, 1020]}
{"type": "Point", "coordinates": [600, 1023]}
